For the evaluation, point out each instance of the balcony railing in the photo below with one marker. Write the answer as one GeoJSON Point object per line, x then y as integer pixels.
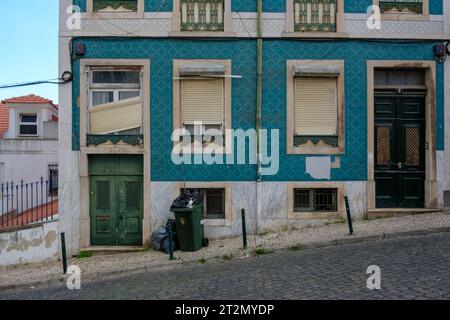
{"type": "Point", "coordinates": [202, 15]}
{"type": "Point", "coordinates": [402, 6]}
{"type": "Point", "coordinates": [102, 5]}
{"type": "Point", "coordinates": [315, 15]}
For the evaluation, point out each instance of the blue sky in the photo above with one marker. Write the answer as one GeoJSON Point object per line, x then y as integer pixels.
{"type": "Point", "coordinates": [29, 46]}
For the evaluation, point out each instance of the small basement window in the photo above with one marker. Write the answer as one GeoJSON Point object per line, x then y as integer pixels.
{"type": "Point", "coordinates": [214, 202]}
{"type": "Point", "coordinates": [28, 125]}
{"type": "Point", "coordinates": [315, 200]}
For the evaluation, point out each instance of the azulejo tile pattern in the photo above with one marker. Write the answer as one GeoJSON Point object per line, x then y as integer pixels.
{"type": "Point", "coordinates": [351, 6]}
{"type": "Point", "coordinates": [161, 52]}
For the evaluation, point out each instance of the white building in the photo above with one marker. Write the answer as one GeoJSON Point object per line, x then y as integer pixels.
{"type": "Point", "coordinates": [28, 140]}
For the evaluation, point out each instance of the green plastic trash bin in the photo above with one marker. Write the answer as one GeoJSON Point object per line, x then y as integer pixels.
{"type": "Point", "coordinates": [190, 228]}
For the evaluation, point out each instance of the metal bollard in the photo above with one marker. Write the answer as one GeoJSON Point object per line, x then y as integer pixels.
{"type": "Point", "coordinates": [170, 242]}
{"type": "Point", "coordinates": [349, 215]}
{"type": "Point", "coordinates": [63, 249]}
{"type": "Point", "coordinates": [244, 230]}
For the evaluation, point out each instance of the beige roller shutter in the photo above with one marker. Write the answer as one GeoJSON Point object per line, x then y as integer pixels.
{"type": "Point", "coordinates": [116, 116]}
{"type": "Point", "coordinates": [316, 106]}
{"type": "Point", "coordinates": [202, 100]}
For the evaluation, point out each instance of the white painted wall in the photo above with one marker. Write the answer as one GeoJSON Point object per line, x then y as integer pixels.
{"type": "Point", "coordinates": [27, 160]}
{"type": "Point", "coordinates": [34, 245]}
{"type": "Point", "coordinates": [69, 178]}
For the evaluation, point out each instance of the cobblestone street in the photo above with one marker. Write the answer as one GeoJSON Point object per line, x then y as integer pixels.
{"type": "Point", "coordinates": [411, 268]}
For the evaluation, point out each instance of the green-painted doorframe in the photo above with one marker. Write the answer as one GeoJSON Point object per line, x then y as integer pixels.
{"type": "Point", "coordinates": [116, 199]}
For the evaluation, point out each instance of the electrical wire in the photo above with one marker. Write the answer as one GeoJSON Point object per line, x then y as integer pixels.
{"type": "Point", "coordinates": [56, 81]}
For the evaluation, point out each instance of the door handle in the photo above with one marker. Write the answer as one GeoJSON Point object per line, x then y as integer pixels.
{"type": "Point", "coordinates": [399, 165]}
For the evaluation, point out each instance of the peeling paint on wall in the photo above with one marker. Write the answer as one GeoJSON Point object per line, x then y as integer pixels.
{"type": "Point", "coordinates": [32, 245]}
{"type": "Point", "coordinates": [319, 167]}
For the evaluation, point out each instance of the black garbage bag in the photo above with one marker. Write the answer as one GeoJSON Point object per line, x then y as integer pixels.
{"type": "Point", "coordinates": [160, 238]}
{"type": "Point", "coordinates": [187, 197]}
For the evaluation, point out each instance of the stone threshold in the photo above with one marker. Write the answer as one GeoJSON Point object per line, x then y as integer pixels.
{"type": "Point", "coordinates": [398, 212]}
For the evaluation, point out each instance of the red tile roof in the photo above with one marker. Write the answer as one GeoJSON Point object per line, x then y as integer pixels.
{"type": "Point", "coordinates": [31, 98]}
{"type": "Point", "coordinates": [4, 119]}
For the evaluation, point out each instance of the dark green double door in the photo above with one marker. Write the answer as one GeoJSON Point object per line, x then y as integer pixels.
{"type": "Point", "coordinates": [400, 151]}
{"type": "Point", "coordinates": [116, 199]}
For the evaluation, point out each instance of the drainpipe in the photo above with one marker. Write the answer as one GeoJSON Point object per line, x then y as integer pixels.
{"type": "Point", "coordinates": [259, 49]}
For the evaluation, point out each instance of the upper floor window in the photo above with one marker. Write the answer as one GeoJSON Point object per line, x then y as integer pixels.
{"type": "Point", "coordinates": [28, 125]}
{"type": "Point", "coordinates": [115, 101]}
{"type": "Point", "coordinates": [202, 103]}
{"type": "Point", "coordinates": [202, 15]}
{"type": "Point", "coordinates": [112, 9]}
{"type": "Point", "coordinates": [401, 6]}
{"type": "Point", "coordinates": [115, 5]}
{"type": "Point", "coordinates": [315, 107]}
{"type": "Point", "coordinates": [403, 9]}
{"type": "Point", "coordinates": [314, 15]}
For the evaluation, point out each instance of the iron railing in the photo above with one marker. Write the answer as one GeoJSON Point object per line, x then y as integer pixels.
{"type": "Point", "coordinates": [131, 5]}
{"type": "Point", "coordinates": [315, 15]}
{"type": "Point", "coordinates": [202, 15]}
{"type": "Point", "coordinates": [27, 203]}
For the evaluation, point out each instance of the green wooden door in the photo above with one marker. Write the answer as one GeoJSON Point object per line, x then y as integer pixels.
{"type": "Point", "coordinates": [400, 151]}
{"type": "Point", "coordinates": [130, 210]}
{"type": "Point", "coordinates": [116, 199]}
{"type": "Point", "coordinates": [103, 208]}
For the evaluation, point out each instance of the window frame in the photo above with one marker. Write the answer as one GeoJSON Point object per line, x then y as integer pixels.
{"type": "Point", "coordinates": [297, 215]}
{"type": "Point", "coordinates": [227, 23]}
{"type": "Point", "coordinates": [290, 109]}
{"type": "Point", "coordinates": [53, 167]}
{"type": "Point", "coordinates": [290, 23]}
{"type": "Point", "coordinates": [116, 88]}
{"type": "Point", "coordinates": [226, 125]}
{"type": "Point", "coordinates": [20, 124]}
{"type": "Point", "coordinates": [227, 221]}
{"type": "Point", "coordinates": [83, 103]}
{"type": "Point", "coordinates": [424, 16]}
{"type": "Point", "coordinates": [115, 15]}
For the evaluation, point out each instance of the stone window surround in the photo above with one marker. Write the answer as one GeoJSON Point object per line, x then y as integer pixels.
{"type": "Point", "coordinates": [290, 32]}
{"type": "Point", "coordinates": [114, 15]}
{"type": "Point", "coordinates": [340, 214]}
{"type": "Point", "coordinates": [227, 96]}
{"type": "Point", "coordinates": [290, 109]}
{"type": "Point", "coordinates": [425, 16]}
{"type": "Point", "coordinates": [109, 148]}
{"type": "Point", "coordinates": [227, 222]}
{"type": "Point", "coordinates": [227, 20]}
{"type": "Point", "coordinates": [431, 187]}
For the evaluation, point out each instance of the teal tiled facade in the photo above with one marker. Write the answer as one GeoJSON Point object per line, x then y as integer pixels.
{"type": "Point", "coordinates": [161, 53]}
{"type": "Point", "coordinates": [351, 6]}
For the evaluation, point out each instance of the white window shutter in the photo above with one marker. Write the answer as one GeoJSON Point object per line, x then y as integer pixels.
{"type": "Point", "coordinates": [202, 100]}
{"type": "Point", "coordinates": [316, 106]}
{"type": "Point", "coordinates": [116, 116]}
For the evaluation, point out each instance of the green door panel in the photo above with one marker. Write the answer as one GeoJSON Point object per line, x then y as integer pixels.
{"type": "Point", "coordinates": [130, 210]}
{"type": "Point", "coordinates": [116, 199]}
{"type": "Point", "coordinates": [103, 208]}
{"type": "Point", "coordinates": [400, 151]}
{"type": "Point", "coordinates": [103, 165]}
{"type": "Point", "coordinates": [130, 165]}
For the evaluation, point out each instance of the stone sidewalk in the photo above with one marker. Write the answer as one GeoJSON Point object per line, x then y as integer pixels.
{"type": "Point", "coordinates": [99, 266]}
